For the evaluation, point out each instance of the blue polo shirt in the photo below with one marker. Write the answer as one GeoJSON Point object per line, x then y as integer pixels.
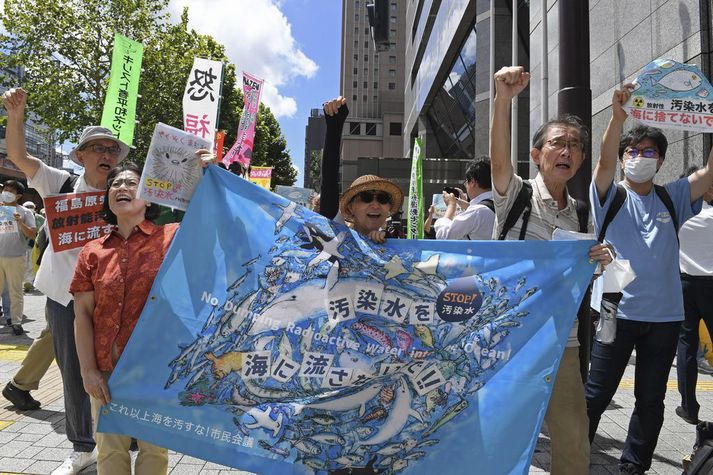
{"type": "Point", "coordinates": [642, 232]}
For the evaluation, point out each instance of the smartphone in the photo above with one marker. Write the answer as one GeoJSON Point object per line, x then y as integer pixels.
{"type": "Point", "coordinates": [454, 191]}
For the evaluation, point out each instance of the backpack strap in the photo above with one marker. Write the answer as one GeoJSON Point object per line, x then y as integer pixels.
{"type": "Point", "coordinates": [616, 205]}
{"type": "Point", "coordinates": [488, 203]}
{"type": "Point", "coordinates": [668, 203]}
{"type": "Point", "coordinates": [618, 202]}
{"type": "Point", "coordinates": [521, 206]}
{"type": "Point", "coordinates": [583, 215]}
{"type": "Point", "coordinates": [69, 183]}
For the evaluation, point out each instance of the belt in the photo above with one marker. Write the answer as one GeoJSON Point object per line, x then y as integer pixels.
{"type": "Point", "coordinates": [696, 277]}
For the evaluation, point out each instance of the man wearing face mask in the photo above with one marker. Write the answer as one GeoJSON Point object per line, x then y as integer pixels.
{"type": "Point", "coordinates": [13, 247]}
{"type": "Point", "coordinates": [644, 231]}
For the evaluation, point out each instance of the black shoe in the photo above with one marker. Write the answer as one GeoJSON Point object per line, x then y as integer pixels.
{"type": "Point", "coordinates": [681, 412]}
{"type": "Point", "coordinates": [18, 330]}
{"type": "Point", "coordinates": [22, 400]}
{"type": "Point", "coordinates": [631, 469]}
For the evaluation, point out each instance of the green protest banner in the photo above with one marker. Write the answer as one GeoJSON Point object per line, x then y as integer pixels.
{"type": "Point", "coordinates": [119, 112]}
{"type": "Point", "coordinates": [414, 227]}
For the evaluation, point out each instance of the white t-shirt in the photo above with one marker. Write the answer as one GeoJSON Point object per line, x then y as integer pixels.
{"type": "Point", "coordinates": [696, 235]}
{"type": "Point", "coordinates": [15, 244]}
{"type": "Point", "coordinates": [56, 269]}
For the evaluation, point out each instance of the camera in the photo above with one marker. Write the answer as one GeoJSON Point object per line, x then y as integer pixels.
{"type": "Point", "coordinates": [453, 191]}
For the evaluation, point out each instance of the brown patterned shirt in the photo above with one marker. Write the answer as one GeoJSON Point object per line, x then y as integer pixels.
{"type": "Point", "coordinates": [120, 272]}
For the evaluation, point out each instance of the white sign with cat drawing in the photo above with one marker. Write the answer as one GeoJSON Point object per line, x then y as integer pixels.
{"type": "Point", "coordinates": [172, 168]}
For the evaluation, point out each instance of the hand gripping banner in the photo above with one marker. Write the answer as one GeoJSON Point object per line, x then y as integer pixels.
{"type": "Point", "coordinates": [277, 342]}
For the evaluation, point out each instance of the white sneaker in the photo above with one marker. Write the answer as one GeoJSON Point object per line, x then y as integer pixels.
{"type": "Point", "coordinates": [76, 462]}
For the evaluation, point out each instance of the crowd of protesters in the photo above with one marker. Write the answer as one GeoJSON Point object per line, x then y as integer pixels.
{"type": "Point", "coordinates": [86, 331]}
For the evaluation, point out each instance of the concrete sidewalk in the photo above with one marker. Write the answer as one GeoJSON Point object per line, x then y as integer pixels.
{"type": "Point", "coordinates": [35, 442]}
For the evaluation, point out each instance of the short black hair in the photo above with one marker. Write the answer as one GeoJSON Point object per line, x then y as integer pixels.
{"type": "Point", "coordinates": [566, 120]}
{"type": "Point", "coordinates": [152, 212]}
{"type": "Point", "coordinates": [15, 185]}
{"type": "Point", "coordinates": [642, 132]}
{"type": "Point", "coordinates": [479, 169]}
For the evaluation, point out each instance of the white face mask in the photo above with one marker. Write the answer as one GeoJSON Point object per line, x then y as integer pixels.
{"type": "Point", "coordinates": [7, 197]}
{"type": "Point", "coordinates": [640, 169]}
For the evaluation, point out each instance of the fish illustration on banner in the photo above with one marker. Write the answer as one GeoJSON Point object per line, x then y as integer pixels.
{"type": "Point", "coordinates": [171, 172]}
{"type": "Point", "coordinates": [668, 94]}
{"type": "Point", "coordinates": [282, 342]}
{"type": "Point", "coordinates": [299, 195]}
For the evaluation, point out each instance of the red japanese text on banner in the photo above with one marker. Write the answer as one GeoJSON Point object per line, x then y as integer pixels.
{"type": "Point", "coordinates": [74, 219]}
{"type": "Point", "coordinates": [202, 97]}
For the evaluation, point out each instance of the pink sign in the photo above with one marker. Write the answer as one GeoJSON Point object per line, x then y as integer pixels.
{"type": "Point", "coordinates": [242, 150]}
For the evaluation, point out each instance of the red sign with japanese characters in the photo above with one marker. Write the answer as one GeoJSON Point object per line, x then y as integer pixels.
{"type": "Point", "coordinates": [74, 219]}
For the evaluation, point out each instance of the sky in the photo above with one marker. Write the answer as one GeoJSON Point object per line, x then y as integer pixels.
{"type": "Point", "coordinates": [293, 45]}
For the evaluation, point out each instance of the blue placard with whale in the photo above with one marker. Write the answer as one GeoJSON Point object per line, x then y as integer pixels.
{"type": "Point", "coordinates": [277, 341]}
{"type": "Point", "coordinates": [673, 95]}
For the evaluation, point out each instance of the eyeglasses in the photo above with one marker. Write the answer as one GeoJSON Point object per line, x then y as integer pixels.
{"type": "Point", "coordinates": [128, 182]}
{"type": "Point", "coordinates": [648, 152]}
{"type": "Point", "coordinates": [100, 149]}
{"type": "Point", "coordinates": [559, 144]}
{"type": "Point", "coordinates": [368, 197]}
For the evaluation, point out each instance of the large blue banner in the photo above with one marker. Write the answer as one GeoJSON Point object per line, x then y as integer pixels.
{"type": "Point", "coordinates": [277, 341]}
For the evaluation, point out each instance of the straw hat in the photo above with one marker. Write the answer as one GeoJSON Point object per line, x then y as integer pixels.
{"type": "Point", "coordinates": [95, 132]}
{"type": "Point", "coordinates": [369, 183]}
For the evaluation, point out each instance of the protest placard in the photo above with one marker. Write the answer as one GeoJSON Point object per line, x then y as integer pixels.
{"type": "Point", "coordinates": [261, 176]}
{"type": "Point", "coordinates": [7, 220]}
{"type": "Point", "coordinates": [202, 98]}
{"type": "Point", "coordinates": [172, 168]}
{"type": "Point", "coordinates": [672, 95]}
{"type": "Point", "coordinates": [74, 219]}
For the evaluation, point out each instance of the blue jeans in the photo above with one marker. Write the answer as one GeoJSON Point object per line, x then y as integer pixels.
{"type": "Point", "coordinates": [697, 304]}
{"type": "Point", "coordinates": [655, 345]}
{"type": "Point", "coordinates": [77, 406]}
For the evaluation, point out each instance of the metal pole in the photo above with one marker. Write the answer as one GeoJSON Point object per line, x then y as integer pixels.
{"type": "Point", "coordinates": [575, 97]}
{"type": "Point", "coordinates": [544, 67]}
{"type": "Point", "coordinates": [514, 113]}
{"type": "Point", "coordinates": [491, 22]}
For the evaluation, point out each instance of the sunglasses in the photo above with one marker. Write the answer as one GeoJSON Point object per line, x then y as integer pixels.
{"type": "Point", "coordinates": [648, 152]}
{"type": "Point", "coordinates": [100, 149]}
{"type": "Point", "coordinates": [368, 197]}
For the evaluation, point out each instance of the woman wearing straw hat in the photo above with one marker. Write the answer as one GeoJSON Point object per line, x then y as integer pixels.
{"type": "Point", "coordinates": [368, 203]}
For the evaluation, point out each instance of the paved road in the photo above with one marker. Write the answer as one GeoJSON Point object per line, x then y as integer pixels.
{"type": "Point", "coordinates": [35, 442]}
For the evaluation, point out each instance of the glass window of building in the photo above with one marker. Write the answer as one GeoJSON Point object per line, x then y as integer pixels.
{"type": "Point", "coordinates": [356, 57]}
{"type": "Point", "coordinates": [376, 85]}
{"type": "Point", "coordinates": [392, 59]}
{"type": "Point", "coordinates": [392, 85]}
{"type": "Point", "coordinates": [366, 44]}
{"type": "Point", "coordinates": [356, 17]}
{"type": "Point", "coordinates": [356, 30]}
{"type": "Point", "coordinates": [393, 7]}
{"type": "Point", "coordinates": [366, 30]}
{"type": "Point", "coordinates": [364, 97]}
{"type": "Point", "coordinates": [356, 71]}
{"type": "Point", "coordinates": [392, 73]}
{"type": "Point", "coordinates": [354, 84]}
{"type": "Point", "coordinates": [370, 129]}
{"type": "Point", "coordinates": [354, 98]}
{"type": "Point", "coordinates": [366, 85]}
{"type": "Point", "coordinates": [452, 113]}
{"type": "Point", "coordinates": [393, 19]}
{"type": "Point", "coordinates": [356, 44]}
{"type": "Point", "coordinates": [395, 128]}
{"type": "Point", "coordinates": [354, 127]}
{"type": "Point", "coordinates": [366, 58]}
